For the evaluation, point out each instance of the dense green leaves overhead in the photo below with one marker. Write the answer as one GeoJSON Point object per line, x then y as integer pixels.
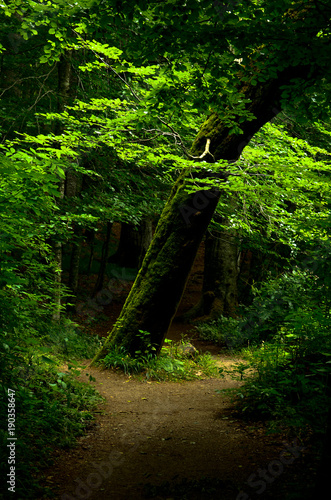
{"type": "Point", "coordinates": [115, 92]}
{"type": "Point", "coordinates": [219, 45]}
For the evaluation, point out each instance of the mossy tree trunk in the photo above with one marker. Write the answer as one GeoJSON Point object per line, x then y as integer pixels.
{"type": "Point", "coordinates": [158, 288]}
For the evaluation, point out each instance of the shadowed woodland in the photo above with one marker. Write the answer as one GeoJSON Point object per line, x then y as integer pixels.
{"type": "Point", "coordinates": [164, 249]}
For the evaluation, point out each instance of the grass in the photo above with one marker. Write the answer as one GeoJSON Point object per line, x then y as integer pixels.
{"type": "Point", "coordinates": [173, 363]}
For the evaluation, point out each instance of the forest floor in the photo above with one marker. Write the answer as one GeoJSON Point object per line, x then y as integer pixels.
{"type": "Point", "coordinates": [170, 440]}
{"type": "Point", "coordinates": [174, 440]}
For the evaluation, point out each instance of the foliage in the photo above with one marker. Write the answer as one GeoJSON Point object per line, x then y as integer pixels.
{"type": "Point", "coordinates": [27, 189]}
{"type": "Point", "coordinates": [171, 364]}
{"type": "Point", "coordinates": [67, 341]}
{"type": "Point", "coordinates": [287, 393]}
{"type": "Point", "coordinates": [52, 406]}
{"type": "Point", "coordinates": [290, 369]}
{"type": "Point", "coordinates": [222, 331]}
{"type": "Point", "coordinates": [297, 303]}
{"type": "Point", "coordinates": [281, 188]}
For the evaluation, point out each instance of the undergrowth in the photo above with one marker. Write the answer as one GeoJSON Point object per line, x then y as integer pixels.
{"type": "Point", "coordinates": [287, 370]}
{"type": "Point", "coordinates": [175, 362]}
{"type": "Point", "coordinates": [52, 408]}
{"type": "Point", "coordinates": [222, 331]}
{"type": "Point", "coordinates": [68, 341]}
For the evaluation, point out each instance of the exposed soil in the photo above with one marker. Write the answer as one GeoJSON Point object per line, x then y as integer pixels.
{"type": "Point", "coordinates": [167, 440]}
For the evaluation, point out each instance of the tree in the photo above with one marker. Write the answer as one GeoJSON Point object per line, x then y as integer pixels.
{"type": "Point", "coordinates": [265, 82]}
{"type": "Point", "coordinates": [182, 225]}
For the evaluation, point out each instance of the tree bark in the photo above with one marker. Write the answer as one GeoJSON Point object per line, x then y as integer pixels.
{"type": "Point", "coordinates": [219, 289]}
{"type": "Point", "coordinates": [104, 259]}
{"type": "Point", "coordinates": [64, 79]}
{"type": "Point", "coordinates": [64, 72]}
{"type": "Point", "coordinates": [221, 274]}
{"type": "Point", "coordinates": [90, 238]}
{"type": "Point", "coordinates": [74, 266]}
{"type": "Point", "coordinates": [245, 276]}
{"type": "Point", "coordinates": [158, 288]}
{"type": "Point", "coordinates": [73, 186]}
{"type": "Point", "coordinates": [57, 252]}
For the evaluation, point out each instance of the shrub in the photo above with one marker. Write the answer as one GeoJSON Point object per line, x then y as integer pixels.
{"type": "Point", "coordinates": [297, 301]}
{"type": "Point", "coordinates": [289, 326]}
{"type": "Point", "coordinates": [222, 331]}
{"type": "Point", "coordinates": [70, 342]}
{"type": "Point", "coordinates": [52, 407]}
{"type": "Point", "coordinates": [290, 392]}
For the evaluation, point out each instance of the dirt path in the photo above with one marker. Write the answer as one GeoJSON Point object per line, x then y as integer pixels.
{"type": "Point", "coordinates": [163, 441]}
{"type": "Point", "coordinates": [167, 441]}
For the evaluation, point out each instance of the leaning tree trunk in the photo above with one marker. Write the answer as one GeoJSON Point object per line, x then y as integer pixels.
{"type": "Point", "coordinates": [158, 288]}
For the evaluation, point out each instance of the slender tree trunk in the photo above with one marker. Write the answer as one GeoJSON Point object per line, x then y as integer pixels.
{"type": "Point", "coordinates": [73, 186]}
{"type": "Point", "coordinates": [245, 277]}
{"type": "Point", "coordinates": [57, 251]}
{"type": "Point", "coordinates": [221, 272]}
{"type": "Point", "coordinates": [64, 71]}
{"type": "Point", "coordinates": [74, 266]}
{"type": "Point", "coordinates": [219, 289]}
{"type": "Point", "coordinates": [146, 235]}
{"type": "Point", "coordinates": [90, 238]}
{"type": "Point", "coordinates": [104, 259]}
{"type": "Point", "coordinates": [158, 288]}
{"type": "Point", "coordinates": [64, 78]}
{"type": "Point", "coordinates": [134, 243]}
